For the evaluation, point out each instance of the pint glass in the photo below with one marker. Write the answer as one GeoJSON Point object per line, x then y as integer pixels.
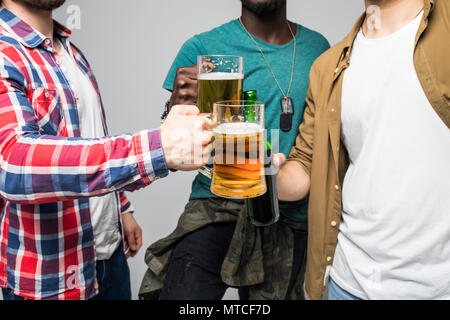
{"type": "Point", "coordinates": [219, 78]}
{"type": "Point", "coordinates": [238, 169]}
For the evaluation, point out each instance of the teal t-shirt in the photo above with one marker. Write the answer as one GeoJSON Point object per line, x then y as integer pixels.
{"type": "Point", "coordinates": [231, 39]}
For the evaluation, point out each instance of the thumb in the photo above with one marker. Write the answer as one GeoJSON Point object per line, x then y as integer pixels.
{"type": "Point", "coordinates": [185, 110]}
{"type": "Point", "coordinates": [278, 159]}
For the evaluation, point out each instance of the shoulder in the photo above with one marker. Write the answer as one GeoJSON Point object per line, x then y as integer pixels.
{"type": "Point", "coordinates": [198, 43]}
{"type": "Point", "coordinates": [217, 34]}
{"type": "Point", "coordinates": [328, 60]}
{"type": "Point", "coordinates": [10, 47]}
{"type": "Point", "coordinates": [322, 70]}
{"type": "Point", "coordinates": [443, 6]}
{"type": "Point", "coordinates": [77, 52]}
{"type": "Point", "coordinates": [442, 11]}
{"type": "Point", "coordinates": [313, 37]}
{"type": "Point", "coordinates": [13, 61]}
{"type": "Point", "coordinates": [222, 30]}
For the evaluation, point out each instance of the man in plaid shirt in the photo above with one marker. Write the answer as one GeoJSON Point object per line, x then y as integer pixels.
{"type": "Point", "coordinates": [56, 160]}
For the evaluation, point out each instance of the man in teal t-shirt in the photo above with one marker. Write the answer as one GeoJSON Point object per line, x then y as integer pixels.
{"type": "Point", "coordinates": [207, 232]}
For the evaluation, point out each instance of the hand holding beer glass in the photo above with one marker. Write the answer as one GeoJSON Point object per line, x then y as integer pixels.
{"type": "Point", "coordinates": [220, 78]}
{"type": "Point", "coordinates": [238, 170]}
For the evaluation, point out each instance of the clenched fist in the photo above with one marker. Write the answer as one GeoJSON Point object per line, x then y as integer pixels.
{"type": "Point", "coordinates": [186, 137]}
{"type": "Point", "coordinates": [184, 87]}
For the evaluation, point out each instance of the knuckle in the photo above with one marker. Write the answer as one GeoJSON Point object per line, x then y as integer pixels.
{"type": "Point", "coordinates": [181, 70]}
{"type": "Point", "coordinates": [181, 83]}
{"type": "Point", "coordinates": [182, 93]}
{"type": "Point", "coordinates": [185, 94]}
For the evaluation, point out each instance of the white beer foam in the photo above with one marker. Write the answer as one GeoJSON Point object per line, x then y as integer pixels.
{"type": "Point", "coordinates": [238, 128]}
{"type": "Point", "coordinates": [220, 76]}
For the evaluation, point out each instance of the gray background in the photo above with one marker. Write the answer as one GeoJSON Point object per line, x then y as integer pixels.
{"type": "Point", "coordinates": [131, 45]}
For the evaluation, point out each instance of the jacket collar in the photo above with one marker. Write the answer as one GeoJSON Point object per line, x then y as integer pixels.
{"type": "Point", "coordinates": [25, 33]}
{"type": "Point", "coordinates": [347, 43]}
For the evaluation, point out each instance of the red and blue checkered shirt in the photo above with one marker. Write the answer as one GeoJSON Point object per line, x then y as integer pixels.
{"type": "Point", "coordinates": [48, 173]}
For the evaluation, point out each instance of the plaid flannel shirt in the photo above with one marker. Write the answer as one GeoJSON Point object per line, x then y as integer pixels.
{"type": "Point", "coordinates": [48, 173]}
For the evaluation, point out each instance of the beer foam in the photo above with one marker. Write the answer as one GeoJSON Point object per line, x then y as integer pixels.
{"type": "Point", "coordinates": [220, 76]}
{"type": "Point", "coordinates": [238, 128]}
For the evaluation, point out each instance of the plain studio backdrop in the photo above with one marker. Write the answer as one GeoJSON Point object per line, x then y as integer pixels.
{"type": "Point", "coordinates": [131, 44]}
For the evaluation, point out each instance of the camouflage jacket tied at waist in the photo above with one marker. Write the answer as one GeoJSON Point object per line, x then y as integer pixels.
{"type": "Point", "coordinates": [260, 257]}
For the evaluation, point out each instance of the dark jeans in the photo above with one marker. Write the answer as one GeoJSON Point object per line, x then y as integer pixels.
{"type": "Point", "coordinates": [195, 264]}
{"type": "Point", "coordinates": [113, 278]}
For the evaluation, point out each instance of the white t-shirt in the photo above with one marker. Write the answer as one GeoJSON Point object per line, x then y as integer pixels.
{"type": "Point", "coordinates": [104, 209]}
{"type": "Point", "coordinates": [394, 240]}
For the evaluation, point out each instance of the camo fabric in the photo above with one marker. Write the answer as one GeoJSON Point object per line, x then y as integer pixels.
{"type": "Point", "coordinates": [258, 257]}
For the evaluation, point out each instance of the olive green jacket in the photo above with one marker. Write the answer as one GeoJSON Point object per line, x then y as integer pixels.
{"type": "Point", "coordinates": [319, 148]}
{"type": "Point", "coordinates": [259, 257]}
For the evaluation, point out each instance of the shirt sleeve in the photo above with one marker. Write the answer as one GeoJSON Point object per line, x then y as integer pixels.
{"type": "Point", "coordinates": [302, 151]}
{"type": "Point", "coordinates": [125, 204]}
{"type": "Point", "coordinates": [187, 56]}
{"type": "Point", "coordinates": [39, 168]}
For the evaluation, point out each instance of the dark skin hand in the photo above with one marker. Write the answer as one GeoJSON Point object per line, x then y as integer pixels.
{"type": "Point", "coordinates": [184, 87]}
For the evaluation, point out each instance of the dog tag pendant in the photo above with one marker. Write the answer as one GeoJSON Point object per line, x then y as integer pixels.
{"type": "Point", "coordinates": [287, 111]}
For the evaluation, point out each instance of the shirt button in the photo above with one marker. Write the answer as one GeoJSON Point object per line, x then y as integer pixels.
{"type": "Point", "coordinates": [333, 223]}
{"type": "Point", "coordinates": [336, 187]}
{"type": "Point", "coordinates": [47, 41]}
{"type": "Point", "coordinates": [336, 71]}
{"type": "Point", "coordinates": [328, 259]}
{"type": "Point", "coordinates": [46, 94]}
{"type": "Point", "coordinates": [332, 109]}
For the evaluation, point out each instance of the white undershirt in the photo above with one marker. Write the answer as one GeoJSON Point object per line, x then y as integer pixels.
{"type": "Point", "coordinates": [394, 240]}
{"type": "Point", "coordinates": [104, 209]}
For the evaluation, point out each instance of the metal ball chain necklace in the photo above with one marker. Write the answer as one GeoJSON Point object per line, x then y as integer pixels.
{"type": "Point", "coordinates": [287, 105]}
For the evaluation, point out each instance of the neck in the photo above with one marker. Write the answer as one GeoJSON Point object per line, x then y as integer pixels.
{"type": "Point", "coordinates": [41, 20]}
{"type": "Point", "coordinates": [271, 28]}
{"type": "Point", "coordinates": [389, 16]}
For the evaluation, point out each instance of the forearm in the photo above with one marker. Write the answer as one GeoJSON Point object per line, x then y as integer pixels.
{"type": "Point", "coordinates": [40, 169]}
{"type": "Point", "coordinates": [293, 182]}
{"type": "Point", "coordinates": [36, 167]}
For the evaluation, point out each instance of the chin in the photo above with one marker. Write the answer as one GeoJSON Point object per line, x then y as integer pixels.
{"type": "Point", "coordinates": [261, 7]}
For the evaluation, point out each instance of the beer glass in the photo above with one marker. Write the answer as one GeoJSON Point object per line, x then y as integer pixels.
{"type": "Point", "coordinates": [238, 167]}
{"type": "Point", "coordinates": [219, 78]}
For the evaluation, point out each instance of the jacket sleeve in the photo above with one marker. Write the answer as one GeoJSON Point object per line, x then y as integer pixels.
{"type": "Point", "coordinates": [302, 151]}
{"type": "Point", "coordinates": [38, 168]}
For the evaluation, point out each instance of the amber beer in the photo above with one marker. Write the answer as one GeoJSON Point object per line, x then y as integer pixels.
{"type": "Point", "coordinates": [238, 160]}
{"type": "Point", "coordinates": [218, 86]}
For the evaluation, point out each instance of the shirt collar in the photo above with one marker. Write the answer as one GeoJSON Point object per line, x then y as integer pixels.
{"type": "Point", "coordinates": [350, 38]}
{"type": "Point", "coordinates": [25, 33]}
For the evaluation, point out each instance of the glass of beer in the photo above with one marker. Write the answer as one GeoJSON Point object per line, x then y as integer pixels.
{"type": "Point", "coordinates": [238, 169]}
{"type": "Point", "coordinates": [219, 78]}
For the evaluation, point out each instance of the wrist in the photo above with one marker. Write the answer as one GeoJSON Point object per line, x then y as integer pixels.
{"type": "Point", "coordinates": [166, 147]}
{"type": "Point", "coordinates": [150, 155]}
{"type": "Point", "coordinates": [166, 111]}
